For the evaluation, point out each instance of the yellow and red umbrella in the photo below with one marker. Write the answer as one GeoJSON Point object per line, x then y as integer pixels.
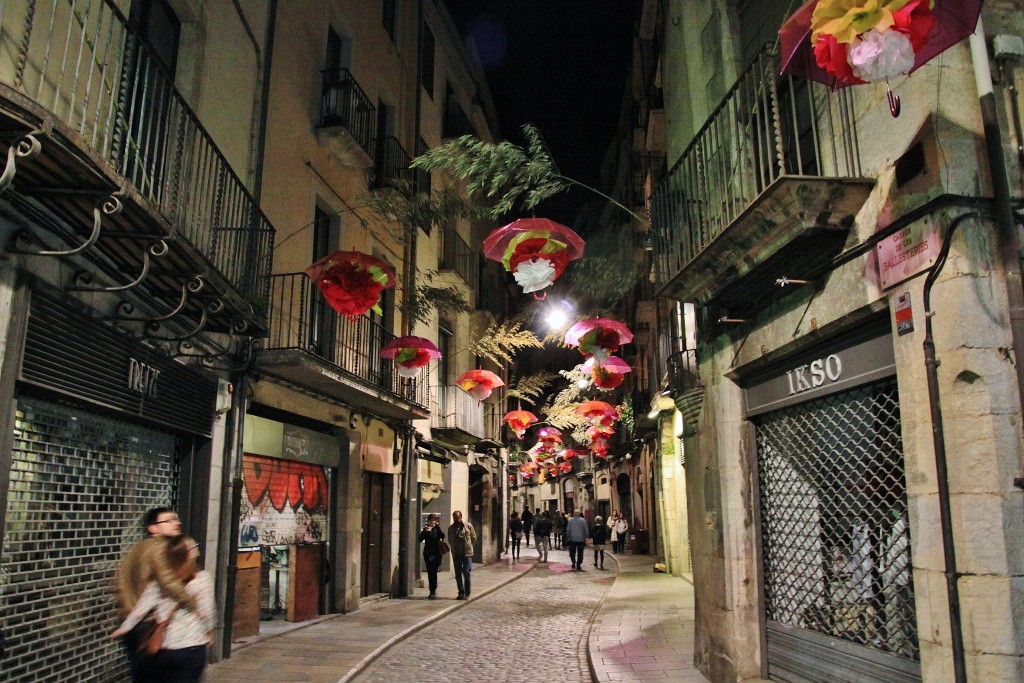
{"type": "Point", "coordinates": [479, 383]}
{"type": "Point", "coordinates": [519, 421]}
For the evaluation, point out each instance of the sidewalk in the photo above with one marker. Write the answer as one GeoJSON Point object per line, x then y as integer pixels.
{"type": "Point", "coordinates": [643, 630]}
{"type": "Point", "coordinates": [337, 648]}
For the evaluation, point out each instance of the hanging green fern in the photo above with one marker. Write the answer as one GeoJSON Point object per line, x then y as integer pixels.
{"type": "Point", "coordinates": [500, 342]}
{"type": "Point", "coordinates": [531, 387]}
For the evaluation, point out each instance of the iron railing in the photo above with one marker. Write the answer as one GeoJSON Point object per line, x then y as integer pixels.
{"type": "Point", "coordinates": [391, 162]}
{"type": "Point", "coordinates": [767, 127]}
{"type": "Point", "coordinates": [683, 373]}
{"type": "Point", "coordinates": [457, 256]}
{"type": "Point", "coordinates": [82, 61]}
{"type": "Point", "coordinates": [301, 319]}
{"type": "Point", "coordinates": [345, 104]}
{"type": "Point", "coordinates": [453, 408]}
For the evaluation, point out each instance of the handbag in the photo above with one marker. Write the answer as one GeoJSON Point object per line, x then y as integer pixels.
{"type": "Point", "coordinates": [151, 636]}
{"type": "Point", "coordinates": [443, 547]}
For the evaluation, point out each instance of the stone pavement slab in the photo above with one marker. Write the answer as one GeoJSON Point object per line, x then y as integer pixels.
{"type": "Point", "coordinates": [643, 629]}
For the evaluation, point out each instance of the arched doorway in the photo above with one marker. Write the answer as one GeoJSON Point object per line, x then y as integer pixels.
{"type": "Point", "coordinates": [625, 491]}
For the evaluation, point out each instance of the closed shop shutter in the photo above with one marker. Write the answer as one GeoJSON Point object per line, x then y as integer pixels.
{"type": "Point", "coordinates": [838, 589]}
{"type": "Point", "coordinates": [80, 484]}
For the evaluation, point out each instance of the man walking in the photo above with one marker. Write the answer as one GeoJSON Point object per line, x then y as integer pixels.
{"type": "Point", "coordinates": [527, 523]}
{"type": "Point", "coordinates": [462, 538]}
{"type": "Point", "coordinates": [542, 536]}
{"type": "Point", "coordinates": [147, 561]}
{"type": "Point", "coordinates": [576, 538]}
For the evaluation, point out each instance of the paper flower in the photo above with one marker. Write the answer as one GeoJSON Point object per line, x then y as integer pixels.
{"type": "Point", "coordinates": [479, 383]}
{"type": "Point", "coordinates": [410, 354]}
{"type": "Point", "coordinates": [519, 421]}
{"type": "Point", "coordinates": [534, 274]}
{"type": "Point", "coordinates": [351, 281]}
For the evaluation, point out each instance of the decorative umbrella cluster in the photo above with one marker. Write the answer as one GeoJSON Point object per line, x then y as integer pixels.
{"type": "Point", "coordinates": [602, 417]}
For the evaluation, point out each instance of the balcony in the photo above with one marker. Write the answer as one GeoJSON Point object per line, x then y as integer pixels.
{"type": "Point", "coordinates": [348, 121]}
{"type": "Point", "coordinates": [311, 346]}
{"type": "Point", "coordinates": [456, 418]}
{"type": "Point", "coordinates": [392, 163]}
{"type": "Point", "coordinates": [684, 383]}
{"type": "Point", "coordinates": [110, 171]}
{"type": "Point", "coordinates": [767, 189]}
{"type": "Point", "coordinates": [457, 257]}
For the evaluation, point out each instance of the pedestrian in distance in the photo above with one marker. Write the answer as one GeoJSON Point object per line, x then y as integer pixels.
{"type": "Point", "coordinates": [576, 538]}
{"type": "Point", "coordinates": [462, 539]}
{"type": "Point", "coordinates": [515, 530]}
{"type": "Point", "coordinates": [431, 537]}
{"type": "Point", "coordinates": [613, 536]}
{"type": "Point", "coordinates": [542, 536]}
{"type": "Point", "coordinates": [598, 539]}
{"type": "Point", "coordinates": [146, 562]}
{"type": "Point", "coordinates": [621, 533]}
{"type": "Point", "coordinates": [558, 528]}
{"type": "Point", "coordinates": [527, 524]}
{"type": "Point", "coordinates": [182, 654]}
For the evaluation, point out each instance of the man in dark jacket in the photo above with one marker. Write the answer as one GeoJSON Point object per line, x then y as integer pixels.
{"type": "Point", "coordinates": [542, 535]}
{"type": "Point", "coordinates": [527, 523]}
{"type": "Point", "coordinates": [576, 533]}
{"type": "Point", "coordinates": [462, 540]}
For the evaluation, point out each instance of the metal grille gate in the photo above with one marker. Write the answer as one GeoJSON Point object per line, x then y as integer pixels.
{"type": "Point", "coordinates": [835, 540]}
{"type": "Point", "coordinates": [80, 484]}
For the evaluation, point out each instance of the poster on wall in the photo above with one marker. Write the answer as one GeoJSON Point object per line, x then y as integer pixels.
{"type": "Point", "coordinates": [283, 502]}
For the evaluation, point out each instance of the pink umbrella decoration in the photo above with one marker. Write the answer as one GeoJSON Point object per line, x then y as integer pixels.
{"type": "Point", "coordinates": [535, 250]}
{"type": "Point", "coordinates": [849, 42]}
{"type": "Point", "coordinates": [609, 374]}
{"type": "Point", "coordinates": [479, 383]}
{"type": "Point", "coordinates": [549, 435]}
{"type": "Point", "coordinates": [598, 337]}
{"type": "Point", "coordinates": [351, 281]}
{"type": "Point", "coordinates": [410, 354]}
{"type": "Point", "coordinates": [519, 421]}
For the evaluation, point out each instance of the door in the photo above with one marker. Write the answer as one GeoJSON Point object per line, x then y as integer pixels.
{"type": "Point", "coordinates": [476, 508]}
{"type": "Point", "coordinates": [376, 527]}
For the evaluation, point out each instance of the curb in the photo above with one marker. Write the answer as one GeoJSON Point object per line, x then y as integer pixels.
{"type": "Point", "coordinates": [590, 623]}
{"type": "Point", "coordinates": [399, 637]}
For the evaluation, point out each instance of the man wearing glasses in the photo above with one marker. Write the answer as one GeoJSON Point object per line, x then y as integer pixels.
{"type": "Point", "coordinates": [145, 562]}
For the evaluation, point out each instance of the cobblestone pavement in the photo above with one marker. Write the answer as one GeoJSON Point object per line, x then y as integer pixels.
{"type": "Point", "coordinates": [532, 629]}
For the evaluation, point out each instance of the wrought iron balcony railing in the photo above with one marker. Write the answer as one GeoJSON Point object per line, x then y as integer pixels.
{"type": "Point", "coordinates": [766, 128]}
{"type": "Point", "coordinates": [391, 162]}
{"type": "Point", "coordinates": [300, 319]}
{"type": "Point", "coordinates": [345, 104]}
{"type": "Point", "coordinates": [457, 256]}
{"type": "Point", "coordinates": [84, 64]}
{"type": "Point", "coordinates": [453, 408]}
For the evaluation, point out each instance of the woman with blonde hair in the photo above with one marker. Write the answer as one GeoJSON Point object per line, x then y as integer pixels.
{"type": "Point", "coordinates": [182, 655]}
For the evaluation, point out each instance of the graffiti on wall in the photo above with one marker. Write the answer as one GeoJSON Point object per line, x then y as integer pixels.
{"type": "Point", "coordinates": [283, 502]}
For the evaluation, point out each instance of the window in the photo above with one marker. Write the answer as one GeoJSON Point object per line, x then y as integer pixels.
{"type": "Point", "coordinates": [389, 17]}
{"type": "Point", "coordinates": [427, 61]}
{"type": "Point", "coordinates": [159, 27]}
{"type": "Point", "coordinates": [322, 333]}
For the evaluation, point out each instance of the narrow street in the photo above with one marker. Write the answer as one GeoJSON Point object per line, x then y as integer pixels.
{"type": "Point", "coordinates": [524, 622]}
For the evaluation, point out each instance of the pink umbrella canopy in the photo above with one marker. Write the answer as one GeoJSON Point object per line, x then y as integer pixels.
{"type": "Point", "coordinates": [519, 421]}
{"type": "Point", "coordinates": [479, 383]}
{"type": "Point", "coordinates": [597, 411]}
{"type": "Point", "coordinates": [410, 354]}
{"type": "Point", "coordinates": [598, 337]}
{"type": "Point", "coordinates": [608, 374]}
{"type": "Point", "coordinates": [849, 42]}
{"type": "Point", "coordinates": [351, 281]}
{"type": "Point", "coordinates": [535, 250]}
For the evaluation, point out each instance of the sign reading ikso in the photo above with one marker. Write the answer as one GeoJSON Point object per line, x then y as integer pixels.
{"type": "Point", "coordinates": [834, 367]}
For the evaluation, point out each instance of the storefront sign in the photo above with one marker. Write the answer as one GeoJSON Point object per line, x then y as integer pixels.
{"type": "Point", "coordinates": [835, 367]}
{"type": "Point", "coordinates": [142, 378]}
{"type": "Point", "coordinates": [907, 253]}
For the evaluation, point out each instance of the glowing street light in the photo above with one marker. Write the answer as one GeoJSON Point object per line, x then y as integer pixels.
{"type": "Point", "coordinates": [557, 315]}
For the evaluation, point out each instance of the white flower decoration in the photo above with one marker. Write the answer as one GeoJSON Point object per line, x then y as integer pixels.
{"type": "Point", "coordinates": [535, 274]}
{"type": "Point", "coordinates": [878, 55]}
{"type": "Point", "coordinates": [480, 392]}
{"type": "Point", "coordinates": [404, 371]}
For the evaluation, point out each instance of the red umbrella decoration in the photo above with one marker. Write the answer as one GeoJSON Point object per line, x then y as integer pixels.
{"type": "Point", "coordinates": [519, 421]}
{"type": "Point", "coordinates": [598, 337]}
{"type": "Point", "coordinates": [351, 281]}
{"type": "Point", "coordinates": [479, 383]}
{"type": "Point", "coordinates": [849, 42]}
{"type": "Point", "coordinates": [609, 374]}
{"type": "Point", "coordinates": [528, 469]}
{"type": "Point", "coordinates": [410, 354]}
{"type": "Point", "coordinates": [549, 435]}
{"type": "Point", "coordinates": [565, 467]}
{"type": "Point", "coordinates": [535, 250]}
{"type": "Point", "coordinates": [597, 411]}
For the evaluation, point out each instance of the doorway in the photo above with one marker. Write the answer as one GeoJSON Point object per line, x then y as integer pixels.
{"type": "Point", "coordinates": [376, 530]}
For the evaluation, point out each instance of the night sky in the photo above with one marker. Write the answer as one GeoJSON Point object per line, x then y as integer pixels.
{"type": "Point", "coordinates": [560, 65]}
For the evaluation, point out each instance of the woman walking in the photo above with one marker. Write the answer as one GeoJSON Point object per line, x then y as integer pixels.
{"type": "Point", "coordinates": [182, 655]}
{"type": "Point", "coordinates": [599, 537]}
{"type": "Point", "coordinates": [431, 537]}
{"type": "Point", "coordinates": [515, 529]}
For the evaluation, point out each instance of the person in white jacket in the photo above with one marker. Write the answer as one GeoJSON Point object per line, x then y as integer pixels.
{"type": "Point", "coordinates": [621, 531]}
{"type": "Point", "coordinates": [182, 655]}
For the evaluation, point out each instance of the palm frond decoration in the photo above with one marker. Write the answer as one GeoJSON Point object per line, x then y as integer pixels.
{"type": "Point", "coordinates": [560, 411]}
{"type": "Point", "coordinates": [500, 342]}
{"type": "Point", "coordinates": [531, 387]}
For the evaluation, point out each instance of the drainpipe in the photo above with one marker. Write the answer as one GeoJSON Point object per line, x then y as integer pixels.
{"type": "Point", "coordinates": [231, 490]}
{"type": "Point", "coordinates": [941, 472]}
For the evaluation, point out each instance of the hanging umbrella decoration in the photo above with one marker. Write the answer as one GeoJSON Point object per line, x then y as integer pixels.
{"type": "Point", "coordinates": [519, 421]}
{"type": "Point", "coordinates": [602, 417]}
{"type": "Point", "coordinates": [479, 383]}
{"type": "Point", "coordinates": [850, 42]}
{"type": "Point", "coordinates": [609, 374]}
{"type": "Point", "coordinates": [352, 281]}
{"type": "Point", "coordinates": [598, 338]}
{"type": "Point", "coordinates": [410, 354]}
{"type": "Point", "coordinates": [535, 250]}
{"type": "Point", "coordinates": [528, 469]}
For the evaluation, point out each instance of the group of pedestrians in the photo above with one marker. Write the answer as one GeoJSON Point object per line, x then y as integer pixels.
{"type": "Point", "coordinates": [573, 532]}
{"type": "Point", "coordinates": [159, 582]}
